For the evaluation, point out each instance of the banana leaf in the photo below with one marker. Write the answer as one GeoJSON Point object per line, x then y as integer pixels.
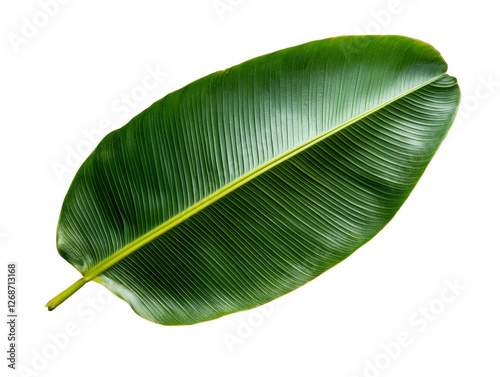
{"type": "Point", "coordinates": [248, 183]}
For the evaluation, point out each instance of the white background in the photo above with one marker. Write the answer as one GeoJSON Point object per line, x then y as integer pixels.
{"type": "Point", "coordinates": [62, 81]}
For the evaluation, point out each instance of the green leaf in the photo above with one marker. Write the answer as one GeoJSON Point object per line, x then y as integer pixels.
{"type": "Point", "coordinates": [246, 184]}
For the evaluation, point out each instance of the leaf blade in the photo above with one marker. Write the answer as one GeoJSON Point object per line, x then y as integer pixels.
{"type": "Point", "coordinates": [280, 97]}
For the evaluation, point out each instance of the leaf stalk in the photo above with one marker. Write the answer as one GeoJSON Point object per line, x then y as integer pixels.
{"type": "Point", "coordinates": [64, 295]}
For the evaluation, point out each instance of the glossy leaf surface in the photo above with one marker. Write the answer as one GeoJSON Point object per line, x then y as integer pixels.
{"type": "Point", "coordinates": [250, 182]}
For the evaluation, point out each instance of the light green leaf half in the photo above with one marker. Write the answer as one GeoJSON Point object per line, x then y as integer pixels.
{"type": "Point", "coordinates": [248, 183]}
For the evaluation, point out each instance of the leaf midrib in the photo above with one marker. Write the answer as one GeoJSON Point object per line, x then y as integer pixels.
{"type": "Point", "coordinates": [212, 198]}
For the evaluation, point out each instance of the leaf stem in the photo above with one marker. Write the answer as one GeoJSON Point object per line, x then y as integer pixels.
{"type": "Point", "coordinates": [64, 295]}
